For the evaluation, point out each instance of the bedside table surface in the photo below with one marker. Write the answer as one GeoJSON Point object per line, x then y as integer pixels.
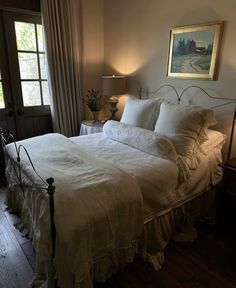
{"type": "Point", "coordinates": [229, 177]}
{"type": "Point", "coordinates": [91, 126]}
{"type": "Point", "coordinates": [229, 164]}
{"type": "Point", "coordinates": [93, 123]}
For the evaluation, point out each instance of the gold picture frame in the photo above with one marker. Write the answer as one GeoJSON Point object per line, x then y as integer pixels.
{"type": "Point", "coordinates": [194, 51]}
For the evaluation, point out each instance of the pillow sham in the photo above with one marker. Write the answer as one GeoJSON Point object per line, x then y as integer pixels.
{"type": "Point", "coordinates": [186, 126]}
{"type": "Point", "coordinates": [146, 141]}
{"type": "Point", "coordinates": [216, 139]}
{"type": "Point", "coordinates": [141, 113]}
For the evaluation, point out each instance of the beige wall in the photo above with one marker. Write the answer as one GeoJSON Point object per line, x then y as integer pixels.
{"type": "Point", "coordinates": [93, 39]}
{"type": "Point", "coordinates": [137, 37]}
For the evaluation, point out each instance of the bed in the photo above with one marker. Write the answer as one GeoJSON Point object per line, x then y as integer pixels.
{"type": "Point", "coordinates": [117, 195]}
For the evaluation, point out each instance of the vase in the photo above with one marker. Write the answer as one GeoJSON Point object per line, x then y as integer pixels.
{"type": "Point", "coordinates": [96, 115]}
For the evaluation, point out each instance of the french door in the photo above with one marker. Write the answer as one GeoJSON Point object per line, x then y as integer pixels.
{"type": "Point", "coordinates": [24, 95]}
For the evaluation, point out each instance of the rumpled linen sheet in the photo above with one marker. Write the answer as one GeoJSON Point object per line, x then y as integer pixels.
{"type": "Point", "coordinates": [165, 205]}
{"type": "Point", "coordinates": [98, 207]}
{"type": "Point", "coordinates": [157, 177]}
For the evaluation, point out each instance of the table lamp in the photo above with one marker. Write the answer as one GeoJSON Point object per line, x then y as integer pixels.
{"type": "Point", "coordinates": [113, 86]}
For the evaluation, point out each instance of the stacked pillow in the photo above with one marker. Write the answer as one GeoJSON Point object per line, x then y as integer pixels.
{"type": "Point", "coordinates": [216, 139]}
{"type": "Point", "coordinates": [141, 113]}
{"type": "Point", "coordinates": [185, 125]}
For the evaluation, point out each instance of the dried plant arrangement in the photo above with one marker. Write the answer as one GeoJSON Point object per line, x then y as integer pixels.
{"type": "Point", "coordinates": [94, 100]}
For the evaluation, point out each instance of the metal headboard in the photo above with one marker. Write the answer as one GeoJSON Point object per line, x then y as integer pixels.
{"type": "Point", "coordinates": [185, 90]}
{"type": "Point", "coordinates": [148, 92]}
{"type": "Point", "coordinates": [47, 185]}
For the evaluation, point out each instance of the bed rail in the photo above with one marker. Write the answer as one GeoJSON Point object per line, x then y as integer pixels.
{"type": "Point", "coordinates": [228, 101]}
{"type": "Point", "coordinates": [180, 95]}
{"type": "Point", "coordinates": [48, 185]}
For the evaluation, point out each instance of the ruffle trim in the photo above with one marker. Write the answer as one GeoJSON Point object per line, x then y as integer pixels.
{"type": "Point", "coordinates": [17, 203]}
{"type": "Point", "coordinates": [184, 171]}
{"type": "Point", "coordinates": [156, 235]}
{"type": "Point", "coordinates": [176, 224]}
{"type": "Point", "coordinates": [106, 267]}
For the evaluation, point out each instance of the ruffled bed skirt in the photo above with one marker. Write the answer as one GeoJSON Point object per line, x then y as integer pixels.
{"type": "Point", "coordinates": [177, 224]}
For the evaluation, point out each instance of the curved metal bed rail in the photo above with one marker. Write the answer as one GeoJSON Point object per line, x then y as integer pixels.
{"type": "Point", "coordinates": [180, 95]}
{"type": "Point", "coordinates": [158, 89]}
{"type": "Point", "coordinates": [205, 92]}
{"type": "Point", "coordinates": [48, 184]}
{"type": "Point", "coordinates": [230, 101]}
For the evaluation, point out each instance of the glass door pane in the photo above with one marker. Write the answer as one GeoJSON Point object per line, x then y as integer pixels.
{"type": "Point", "coordinates": [25, 36]}
{"type": "Point", "coordinates": [32, 63]}
{"type": "Point", "coordinates": [26, 95]}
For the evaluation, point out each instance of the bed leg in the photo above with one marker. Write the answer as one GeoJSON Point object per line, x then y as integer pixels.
{"type": "Point", "coordinates": [51, 190]}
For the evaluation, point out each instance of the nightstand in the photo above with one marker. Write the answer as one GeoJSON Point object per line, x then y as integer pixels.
{"type": "Point", "coordinates": [91, 126]}
{"type": "Point", "coordinates": [226, 194]}
{"type": "Point", "coordinates": [229, 177]}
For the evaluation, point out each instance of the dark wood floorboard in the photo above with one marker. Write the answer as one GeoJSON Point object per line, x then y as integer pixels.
{"type": "Point", "coordinates": [208, 262]}
{"type": "Point", "coordinates": [15, 269]}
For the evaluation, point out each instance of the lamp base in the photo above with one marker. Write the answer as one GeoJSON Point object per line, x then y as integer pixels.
{"type": "Point", "coordinates": [113, 109]}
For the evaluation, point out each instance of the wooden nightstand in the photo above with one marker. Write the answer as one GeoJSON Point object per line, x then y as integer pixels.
{"type": "Point", "coordinates": [226, 194]}
{"type": "Point", "coordinates": [91, 126]}
{"type": "Point", "coordinates": [229, 177]}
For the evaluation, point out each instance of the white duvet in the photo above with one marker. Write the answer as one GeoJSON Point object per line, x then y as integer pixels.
{"type": "Point", "coordinates": [105, 191]}
{"type": "Point", "coordinates": [157, 177]}
{"type": "Point", "coordinates": [98, 207]}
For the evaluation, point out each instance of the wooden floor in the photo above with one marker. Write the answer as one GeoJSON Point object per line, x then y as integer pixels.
{"type": "Point", "coordinates": [209, 262]}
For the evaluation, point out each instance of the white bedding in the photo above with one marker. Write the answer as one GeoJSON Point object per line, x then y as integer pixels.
{"type": "Point", "coordinates": [157, 177]}
{"type": "Point", "coordinates": [105, 191]}
{"type": "Point", "coordinates": [98, 207]}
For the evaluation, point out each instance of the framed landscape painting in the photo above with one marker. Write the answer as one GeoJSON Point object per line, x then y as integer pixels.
{"type": "Point", "coordinates": [194, 51]}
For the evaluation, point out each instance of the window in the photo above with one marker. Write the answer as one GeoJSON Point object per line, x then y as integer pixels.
{"type": "Point", "coordinates": [2, 104]}
{"type": "Point", "coordinates": [32, 63]}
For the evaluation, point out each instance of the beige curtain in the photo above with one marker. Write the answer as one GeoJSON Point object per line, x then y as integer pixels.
{"type": "Point", "coordinates": [62, 26]}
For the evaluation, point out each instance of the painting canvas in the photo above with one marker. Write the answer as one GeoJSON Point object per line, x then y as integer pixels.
{"type": "Point", "coordinates": [194, 51]}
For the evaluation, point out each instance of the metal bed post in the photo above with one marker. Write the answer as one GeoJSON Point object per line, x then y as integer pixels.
{"type": "Point", "coordinates": [51, 190]}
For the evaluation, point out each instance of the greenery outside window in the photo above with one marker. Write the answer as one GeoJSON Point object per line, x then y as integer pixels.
{"type": "Point", "coordinates": [32, 63]}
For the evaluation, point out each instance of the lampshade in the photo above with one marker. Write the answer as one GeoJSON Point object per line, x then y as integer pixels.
{"type": "Point", "coordinates": [113, 85]}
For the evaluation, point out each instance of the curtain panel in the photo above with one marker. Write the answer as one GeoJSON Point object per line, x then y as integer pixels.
{"type": "Point", "coordinates": [63, 36]}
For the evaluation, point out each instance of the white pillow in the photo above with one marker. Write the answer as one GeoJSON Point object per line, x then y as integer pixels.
{"type": "Point", "coordinates": [146, 141]}
{"type": "Point", "coordinates": [186, 126]}
{"type": "Point", "coordinates": [215, 140]}
{"type": "Point", "coordinates": [141, 113]}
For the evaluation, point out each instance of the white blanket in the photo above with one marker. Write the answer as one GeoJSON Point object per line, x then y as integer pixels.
{"type": "Point", "coordinates": [158, 178]}
{"type": "Point", "coordinates": [98, 207]}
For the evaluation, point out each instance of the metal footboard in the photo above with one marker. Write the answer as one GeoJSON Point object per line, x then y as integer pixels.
{"type": "Point", "coordinates": [48, 184]}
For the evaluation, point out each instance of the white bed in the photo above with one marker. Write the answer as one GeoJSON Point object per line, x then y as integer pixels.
{"type": "Point", "coordinates": [113, 201]}
{"type": "Point", "coordinates": [157, 177]}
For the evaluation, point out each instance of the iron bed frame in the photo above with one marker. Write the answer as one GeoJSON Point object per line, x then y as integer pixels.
{"type": "Point", "coordinates": [49, 183]}
{"type": "Point", "coordinates": [179, 98]}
